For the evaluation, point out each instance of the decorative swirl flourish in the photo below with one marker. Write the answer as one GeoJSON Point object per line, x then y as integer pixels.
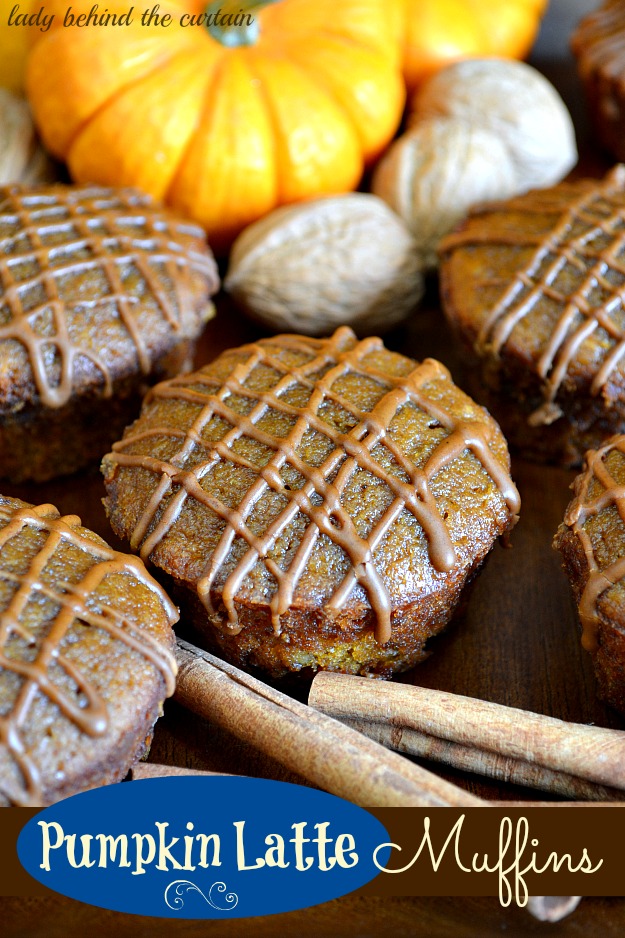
{"type": "Point", "coordinates": [231, 899]}
{"type": "Point", "coordinates": [181, 886]}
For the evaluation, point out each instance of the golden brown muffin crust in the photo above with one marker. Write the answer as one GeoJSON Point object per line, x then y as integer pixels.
{"type": "Point", "coordinates": [96, 283]}
{"type": "Point", "coordinates": [534, 288]}
{"type": "Point", "coordinates": [85, 656]}
{"type": "Point", "coordinates": [592, 543]}
{"type": "Point", "coordinates": [323, 488]}
{"type": "Point", "coordinates": [100, 292]}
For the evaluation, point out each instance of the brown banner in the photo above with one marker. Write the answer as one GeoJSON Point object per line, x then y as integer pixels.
{"type": "Point", "coordinates": [15, 881]}
{"type": "Point", "coordinates": [505, 852]}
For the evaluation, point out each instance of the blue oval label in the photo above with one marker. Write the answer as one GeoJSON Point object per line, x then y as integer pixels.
{"type": "Point", "coordinates": [203, 847]}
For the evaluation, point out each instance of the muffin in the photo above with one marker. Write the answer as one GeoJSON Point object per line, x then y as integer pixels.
{"type": "Point", "coordinates": [101, 291]}
{"type": "Point", "coordinates": [86, 656]}
{"type": "Point", "coordinates": [313, 503]}
{"type": "Point", "coordinates": [533, 288]}
{"type": "Point", "coordinates": [599, 46]}
{"type": "Point", "coordinates": [592, 543]}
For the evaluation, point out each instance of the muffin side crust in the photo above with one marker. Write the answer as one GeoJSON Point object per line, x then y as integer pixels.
{"type": "Point", "coordinates": [591, 540]}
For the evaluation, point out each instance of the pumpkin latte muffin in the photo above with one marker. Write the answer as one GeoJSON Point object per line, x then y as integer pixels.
{"type": "Point", "coordinates": [592, 543]}
{"type": "Point", "coordinates": [86, 656]}
{"type": "Point", "coordinates": [534, 287]}
{"type": "Point", "coordinates": [101, 292]}
{"type": "Point", "coordinates": [313, 503]}
{"type": "Point", "coordinates": [599, 46]}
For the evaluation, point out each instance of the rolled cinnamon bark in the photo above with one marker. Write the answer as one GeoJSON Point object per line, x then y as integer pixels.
{"type": "Point", "coordinates": [545, 751]}
{"type": "Point", "coordinates": [321, 750]}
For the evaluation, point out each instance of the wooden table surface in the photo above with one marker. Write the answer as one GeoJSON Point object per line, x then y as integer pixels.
{"type": "Point", "coordinates": [517, 643]}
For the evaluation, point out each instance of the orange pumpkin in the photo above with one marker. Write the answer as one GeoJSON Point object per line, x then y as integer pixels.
{"type": "Point", "coordinates": [222, 133]}
{"type": "Point", "coordinates": [438, 32]}
{"type": "Point", "coordinates": [13, 45]}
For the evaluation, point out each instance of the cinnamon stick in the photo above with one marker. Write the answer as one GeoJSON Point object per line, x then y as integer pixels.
{"type": "Point", "coordinates": [482, 762]}
{"type": "Point", "coordinates": [154, 770]}
{"type": "Point", "coordinates": [321, 750]}
{"type": "Point", "coordinates": [491, 731]}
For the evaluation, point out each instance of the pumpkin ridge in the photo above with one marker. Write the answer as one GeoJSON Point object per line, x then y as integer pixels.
{"type": "Point", "coordinates": [273, 120]}
{"type": "Point", "coordinates": [51, 48]}
{"type": "Point", "coordinates": [213, 80]}
{"type": "Point", "coordinates": [170, 62]}
{"type": "Point", "coordinates": [161, 60]}
{"type": "Point", "coordinates": [319, 85]}
{"type": "Point", "coordinates": [322, 81]}
{"type": "Point", "coordinates": [323, 77]}
{"type": "Point", "coordinates": [178, 192]}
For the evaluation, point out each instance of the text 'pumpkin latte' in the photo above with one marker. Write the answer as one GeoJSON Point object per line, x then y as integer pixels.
{"type": "Point", "coordinates": [314, 503]}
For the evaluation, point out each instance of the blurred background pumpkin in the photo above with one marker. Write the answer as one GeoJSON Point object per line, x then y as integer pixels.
{"type": "Point", "coordinates": [13, 47]}
{"type": "Point", "coordinates": [225, 124]}
{"type": "Point", "coordinates": [222, 125]}
{"type": "Point", "coordinates": [438, 32]}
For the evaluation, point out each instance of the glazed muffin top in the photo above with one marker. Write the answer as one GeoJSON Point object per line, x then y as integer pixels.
{"type": "Point", "coordinates": [593, 536]}
{"type": "Point", "coordinates": [300, 472]}
{"type": "Point", "coordinates": [537, 284]}
{"type": "Point", "coordinates": [86, 650]}
{"type": "Point", "coordinates": [95, 284]}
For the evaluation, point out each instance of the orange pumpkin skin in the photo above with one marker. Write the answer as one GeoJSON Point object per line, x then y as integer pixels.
{"type": "Point", "coordinates": [222, 134]}
{"type": "Point", "coordinates": [439, 32]}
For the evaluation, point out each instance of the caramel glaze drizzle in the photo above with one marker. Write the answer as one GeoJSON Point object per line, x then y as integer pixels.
{"type": "Point", "coordinates": [115, 228]}
{"type": "Point", "coordinates": [339, 355]}
{"type": "Point", "coordinates": [72, 600]}
{"type": "Point", "coordinates": [600, 212]}
{"type": "Point", "coordinates": [580, 510]}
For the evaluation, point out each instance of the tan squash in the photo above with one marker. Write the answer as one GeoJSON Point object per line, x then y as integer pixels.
{"type": "Point", "coordinates": [479, 130]}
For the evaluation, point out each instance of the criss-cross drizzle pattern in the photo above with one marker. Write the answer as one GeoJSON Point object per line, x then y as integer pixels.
{"type": "Point", "coordinates": [51, 238]}
{"type": "Point", "coordinates": [596, 490]}
{"type": "Point", "coordinates": [314, 369]}
{"type": "Point", "coordinates": [577, 268]}
{"type": "Point", "coordinates": [32, 647]}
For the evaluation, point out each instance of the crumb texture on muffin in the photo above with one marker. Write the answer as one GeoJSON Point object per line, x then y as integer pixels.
{"type": "Point", "coordinates": [321, 481]}
{"type": "Point", "coordinates": [95, 282]}
{"type": "Point", "coordinates": [534, 288]}
{"type": "Point", "coordinates": [592, 542]}
{"type": "Point", "coordinates": [101, 294]}
{"type": "Point", "coordinates": [86, 656]}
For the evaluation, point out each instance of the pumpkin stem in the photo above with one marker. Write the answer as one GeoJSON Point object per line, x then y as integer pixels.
{"type": "Point", "coordinates": [232, 23]}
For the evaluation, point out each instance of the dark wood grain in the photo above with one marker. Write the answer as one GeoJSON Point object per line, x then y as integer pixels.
{"type": "Point", "coordinates": [350, 917]}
